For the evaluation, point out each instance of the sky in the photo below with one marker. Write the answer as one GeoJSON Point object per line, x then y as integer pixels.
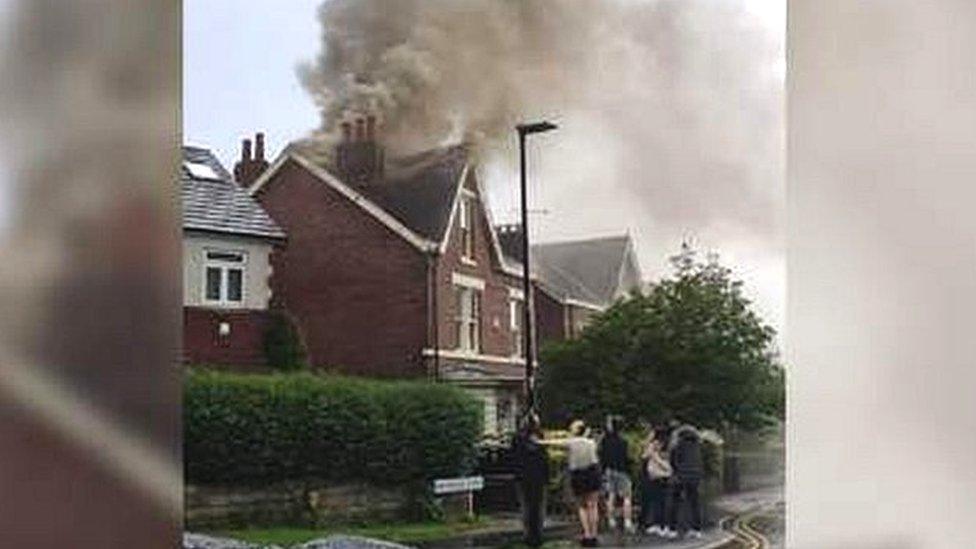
{"type": "Point", "coordinates": [241, 62]}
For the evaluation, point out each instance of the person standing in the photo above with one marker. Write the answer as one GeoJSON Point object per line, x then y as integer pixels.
{"type": "Point", "coordinates": [533, 478]}
{"type": "Point", "coordinates": [658, 471]}
{"type": "Point", "coordinates": [584, 476]}
{"type": "Point", "coordinates": [615, 461]}
{"type": "Point", "coordinates": [688, 471]}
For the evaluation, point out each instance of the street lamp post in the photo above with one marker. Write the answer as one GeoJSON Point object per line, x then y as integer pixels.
{"type": "Point", "coordinates": [531, 454]}
{"type": "Point", "coordinates": [525, 130]}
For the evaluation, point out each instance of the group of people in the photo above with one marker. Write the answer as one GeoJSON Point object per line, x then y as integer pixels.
{"type": "Point", "coordinates": [671, 470]}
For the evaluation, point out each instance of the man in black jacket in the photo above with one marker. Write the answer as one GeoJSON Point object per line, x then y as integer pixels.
{"type": "Point", "coordinates": [689, 469]}
{"type": "Point", "coordinates": [533, 477]}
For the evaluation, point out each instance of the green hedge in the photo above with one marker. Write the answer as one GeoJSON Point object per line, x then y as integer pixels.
{"type": "Point", "coordinates": [247, 429]}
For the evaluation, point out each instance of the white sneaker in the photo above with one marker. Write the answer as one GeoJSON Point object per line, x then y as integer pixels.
{"type": "Point", "coordinates": [695, 534]}
{"type": "Point", "coordinates": [611, 523]}
{"type": "Point", "coordinates": [669, 533]}
{"type": "Point", "coordinates": [629, 526]}
{"type": "Point", "coordinates": [654, 530]}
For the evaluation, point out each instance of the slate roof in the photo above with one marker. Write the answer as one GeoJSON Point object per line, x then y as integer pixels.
{"type": "Point", "coordinates": [221, 205]}
{"type": "Point", "coordinates": [454, 370]}
{"type": "Point", "coordinates": [586, 270]}
{"type": "Point", "coordinates": [419, 190]}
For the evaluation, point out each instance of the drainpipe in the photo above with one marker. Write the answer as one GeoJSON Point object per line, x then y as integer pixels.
{"type": "Point", "coordinates": [432, 317]}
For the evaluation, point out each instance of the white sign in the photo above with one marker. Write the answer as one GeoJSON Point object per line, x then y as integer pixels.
{"type": "Point", "coordinates": [456, 485]}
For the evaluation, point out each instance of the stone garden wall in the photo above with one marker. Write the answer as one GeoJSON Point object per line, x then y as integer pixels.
{"type": "Point", "coordinates": [210, 507]}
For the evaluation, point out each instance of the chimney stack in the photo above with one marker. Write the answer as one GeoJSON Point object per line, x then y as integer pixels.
{"type": "Point", "coordinates": [359, 157]}
{"type": "Point", "coordinates": [249, 168]}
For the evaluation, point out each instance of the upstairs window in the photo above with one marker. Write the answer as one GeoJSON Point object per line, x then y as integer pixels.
{"type": "Point", "coordinates": [516, 314]}
{"type": "Point", "coordinates": [466, 228]}
{"type": "Point", "coordinates": [469, 319]}
{"type": "Point", "coordinates": [224, 278]}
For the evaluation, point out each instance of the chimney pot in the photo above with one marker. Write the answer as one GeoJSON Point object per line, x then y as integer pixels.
{"type": "Point", "coordinates": [360, 129]}
{"type": "Point", "coordinates": [371, 128]}
{"type": "Point", "coordinates": [259, 147]}
{"type": "Point", "coordinates": [246, 150]}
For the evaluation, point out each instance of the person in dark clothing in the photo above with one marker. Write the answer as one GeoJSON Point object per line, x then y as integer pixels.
{"type": "Point", "coordinates": [532, 478]}
{"type": "Point", "coordinates": [688, 471]}
{"type": "Point", "coordinates": [656, 474]}
{"type": "Point", "coordinates": [615, 461]}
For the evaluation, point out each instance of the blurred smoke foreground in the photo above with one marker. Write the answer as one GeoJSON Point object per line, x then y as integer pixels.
{"type": "Point", "coordinates": [89, 279]}
{"type": "Point", "coordinates": [680, 101]}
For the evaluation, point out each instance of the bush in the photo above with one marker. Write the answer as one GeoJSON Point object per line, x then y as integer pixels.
{"type": "Point", "coordinates": [283, 348]}
{"type": "Point", "coordinates": [247, 429]}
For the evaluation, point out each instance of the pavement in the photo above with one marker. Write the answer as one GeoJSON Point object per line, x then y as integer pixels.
{"type": "Point", "coordinates": [766, 502]}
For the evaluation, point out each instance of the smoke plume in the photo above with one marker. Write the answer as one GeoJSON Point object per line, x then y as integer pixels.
{"type": "Point", "coordinates": [680, 96]}
{"type": "Point", "coordinates": [670, 111]}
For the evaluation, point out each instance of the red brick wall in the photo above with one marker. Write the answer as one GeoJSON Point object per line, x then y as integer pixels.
{"type": "Point", "coordinates": [357, 290]}
{"type": "Point", "coordinates": [242, 348]}
{"type": "Point", "coordinates": [550, 318]}
{"type": "Point", "coordinates": [496, 333]}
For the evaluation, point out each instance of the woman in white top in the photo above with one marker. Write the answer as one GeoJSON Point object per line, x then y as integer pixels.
{"type": "Point", "coordinates": [584, 476]}
{"type": "Point", "coordinates": [658, 476]}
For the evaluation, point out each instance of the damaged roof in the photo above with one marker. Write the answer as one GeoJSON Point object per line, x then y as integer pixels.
{"type": "Point", "coordinates": [213, 202]}
{"type": "Point", "coordinates": [419, 190]}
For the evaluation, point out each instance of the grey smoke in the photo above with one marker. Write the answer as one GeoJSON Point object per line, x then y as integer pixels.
{"type": "Point", "coordinates": [670, 110]}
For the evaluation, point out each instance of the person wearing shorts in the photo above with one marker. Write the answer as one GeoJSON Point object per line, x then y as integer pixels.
{"type": "Point", "coordinates": [615, 459]}
{"type": "Point", "coordinates": [584, 479]}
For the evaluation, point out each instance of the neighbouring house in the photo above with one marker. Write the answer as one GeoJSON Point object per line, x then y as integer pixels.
{"type": "Point", "coordinates": [574, 279]}
{"type": "Point", "coordinates": [228, 240]}
{"type": "Point", "coordinates": [393, 268]}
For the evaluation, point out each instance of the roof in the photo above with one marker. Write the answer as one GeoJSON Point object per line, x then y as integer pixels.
{"type": "Point", "coordinates": [218, 204]}
{"type": "Point", "coordinates": [419, 190]}
{"type": "Point", "coordinates": [478, 371]}
{"type": "Point", "coordinates": [594, 270]}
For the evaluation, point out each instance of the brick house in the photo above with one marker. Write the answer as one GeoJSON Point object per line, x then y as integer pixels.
{"type": "Point", "coordinates": [574, 279]}
{"type": "Point", "coordinates": [228, 240]}
{"type": "Point", "coordinates": [393, 268]}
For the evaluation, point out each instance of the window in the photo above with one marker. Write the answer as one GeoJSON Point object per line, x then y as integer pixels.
{"type": "Point", "coordinates": [469, 319]}
{"type": "Point", "coordinates": [505, 414]}
{"type": "Point", "coordinates": [466, 226]}
{"type": "Point", "coordinates": [199, 170]}
{"type": "Point", "coordinates": [516, 314]}
{"type": "Point", "coordinates": [224, 278]}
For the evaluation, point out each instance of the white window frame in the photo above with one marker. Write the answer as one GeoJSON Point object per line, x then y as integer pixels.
{"type": "Point", "coordinates": [516, 318]}
{"type": "Point", "coordinates": [225, 266]}
{"type": "Point", "coordinates": [469, 338]}
{"type": "Point", "coordinates": [466, 226]}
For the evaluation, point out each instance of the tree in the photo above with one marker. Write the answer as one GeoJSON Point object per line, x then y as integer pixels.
{"type": "Point", "coordinates": [283, 346]}
{"type": "Point", "coordinates": [691, 346]}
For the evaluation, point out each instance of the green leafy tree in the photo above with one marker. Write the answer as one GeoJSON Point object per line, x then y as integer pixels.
{"type": "Point", "coordinates": [283, 347]}
{"type": "Point", "coordinates": [690, 346]}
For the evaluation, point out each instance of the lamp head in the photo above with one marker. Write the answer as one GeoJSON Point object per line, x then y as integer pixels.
{"type": "Point", "coordinates": [535, 127]}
